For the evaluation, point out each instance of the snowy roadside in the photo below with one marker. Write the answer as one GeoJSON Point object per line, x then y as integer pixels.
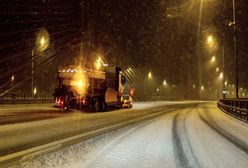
{"type": "Point", "coordinates": [211, 146]}
{"type": "Point", "coordinates": [232, 126]}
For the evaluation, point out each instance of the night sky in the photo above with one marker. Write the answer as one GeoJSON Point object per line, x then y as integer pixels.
{"type": "Point", "coordinates": [149, 35]}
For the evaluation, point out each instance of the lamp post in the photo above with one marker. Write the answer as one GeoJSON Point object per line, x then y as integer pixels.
{"type": "Point", "coordinates": [150, 75]}
{"type": "Point", "coordinates": [213, 59]}
{"type": "Point", "coordinates": [164, 83]}
{"type": "Point", "coordinates": [12, 80]}
{"type": "Point", "coordinates": [42, 43]}
{"type": "Point", "coordinates": [32, 73]}
{"type": "Point", "coordinates": [235, 47]}
{"type": "Point", "coordinates": [223, 66]}
{"type": "Point", "coordinates": [149, 86]}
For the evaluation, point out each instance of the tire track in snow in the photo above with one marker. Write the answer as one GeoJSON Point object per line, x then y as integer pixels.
{"type": "Point", "coordinates": [131, 129]}
{"type": "Point", "coordinates": [183, 151]}
{"type": "Point", "coordinates": [194, 159]}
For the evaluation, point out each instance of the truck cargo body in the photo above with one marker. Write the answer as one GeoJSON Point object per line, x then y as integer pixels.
{"type": "Point", "coordinates": [89, 89]}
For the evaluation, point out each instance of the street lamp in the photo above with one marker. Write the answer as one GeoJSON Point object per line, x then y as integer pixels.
{"type": "Point", "coordinates": [221, 75]}
{"type": "Point", "coordinates": [211, 43]}
{"type": "Point", "coordinates": [98, 63]}
{"type": "Point", "coordinates": [210, 39]}
{"type": "Point", "coordinates": [217, 69]}
{"type": "Point", "coordinates": [12, 80]}
{"type": "Point", "coordinates": [150, 75]}
{"type": "Point", "coordinates": [164, 83]}
{"type": "Point", "coordinates": [213, 59]}
{"type": "Point", "coordinates": [235, 47]}
{"type": "Point", "coordinates": [35, 91]}
{"type": "Point", "coordinates": [42, 43]}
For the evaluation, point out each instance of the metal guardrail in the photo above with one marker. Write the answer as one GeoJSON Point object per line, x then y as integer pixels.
{"type": "Point", "coordinates": [237, 108]}
{"type": "Point", "coordinates": [26, 98]}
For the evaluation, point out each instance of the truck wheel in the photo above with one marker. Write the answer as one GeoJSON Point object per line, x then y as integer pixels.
{"type": "Point", "coordinates": [96, 106]}
{"type": "Point", "coordinates": [118, 106]}
{"type": "Point", "coordinates": [103, 106]}
{"type": "Point", "coordinates": [66, 105]}
{"type": "Point", "coordinates": [79, 106]}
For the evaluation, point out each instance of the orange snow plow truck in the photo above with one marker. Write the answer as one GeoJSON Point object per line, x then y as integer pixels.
{"type": "Point", "coordinates": [89, 89]}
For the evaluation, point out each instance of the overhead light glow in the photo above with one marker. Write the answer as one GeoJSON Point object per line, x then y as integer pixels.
{"type": "Point", "coordinates": [213, 59]}
{"type": "Point", "coordinates": [221, 75]}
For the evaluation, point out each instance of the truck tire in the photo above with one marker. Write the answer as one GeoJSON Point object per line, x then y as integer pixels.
{"type": "Point", "coordinates": [103, 106]}
{"type": "Point", "coordinates": [96, 106]}
{"type": "Point", "coordinates": [66, 105]}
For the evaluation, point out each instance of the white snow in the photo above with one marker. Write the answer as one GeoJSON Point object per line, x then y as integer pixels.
{"type": "Point", "coordinates": [134, 146]}
{"type": "Point", "coordinates": [211, 149]}
{"type": "Point", "coordinates": [151, 144]}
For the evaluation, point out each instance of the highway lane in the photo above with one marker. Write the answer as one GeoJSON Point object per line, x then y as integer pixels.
{"type": "Point", "coordinates": [25, 127]}
{"type": "Point", "coordinates": [190, 136]}
{"type": "Point", "coordinates": [18, 113]}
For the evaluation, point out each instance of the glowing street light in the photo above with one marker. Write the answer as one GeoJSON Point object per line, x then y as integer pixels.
{"type": "Point", "coordinates": [34, 91]}
{"type": "Point", "coordinates": [42, 43]}
{"type": "Point", "coordinates": [210, 39]}
{"type": "Point", "coordinates": [202, 88]}
{"type": "Point", "coordinates": [217, 69]}
{"type": "Point", "coordinates": [150, 75]}
{"type": "Point", "coordinates": [98, 63]}
{"type": "Point", "coordinates": [164, 83]}
{"type": "Point", "coordinates": [211, 43]}
{"type": "Point", "coordinates": [225, 83]}
{"type": "Point", "coordinates": [221, 75]}
{"type": "Point", "coordinates": [12, 80]}
{"type": "Point", "coordinates": [12, 77]}
{"type": "Point", "coordinates": [42, 40]}
{"type": "Point", "coordinates": [213, 59]}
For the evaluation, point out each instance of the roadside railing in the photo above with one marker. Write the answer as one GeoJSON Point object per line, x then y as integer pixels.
{"type": "Point", "coordinates": [26, 98]}
{"type": "Point", "coordinates": [235, 107]}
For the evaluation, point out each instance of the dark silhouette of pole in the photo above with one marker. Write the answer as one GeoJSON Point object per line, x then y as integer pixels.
{"type": "Point", "coordinates": [223, 62]}
{"type": "Point", "coordinates": [235, 49]}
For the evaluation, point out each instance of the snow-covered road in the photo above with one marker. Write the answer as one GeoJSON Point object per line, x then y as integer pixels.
{"type": "Point", "coordinates": [26, 129]}
{"type": "Point", "coordinates": [194, 136]}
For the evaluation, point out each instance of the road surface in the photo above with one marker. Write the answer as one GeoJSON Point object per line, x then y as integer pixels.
{"type": "Point", "coordinates": [183, 135]}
